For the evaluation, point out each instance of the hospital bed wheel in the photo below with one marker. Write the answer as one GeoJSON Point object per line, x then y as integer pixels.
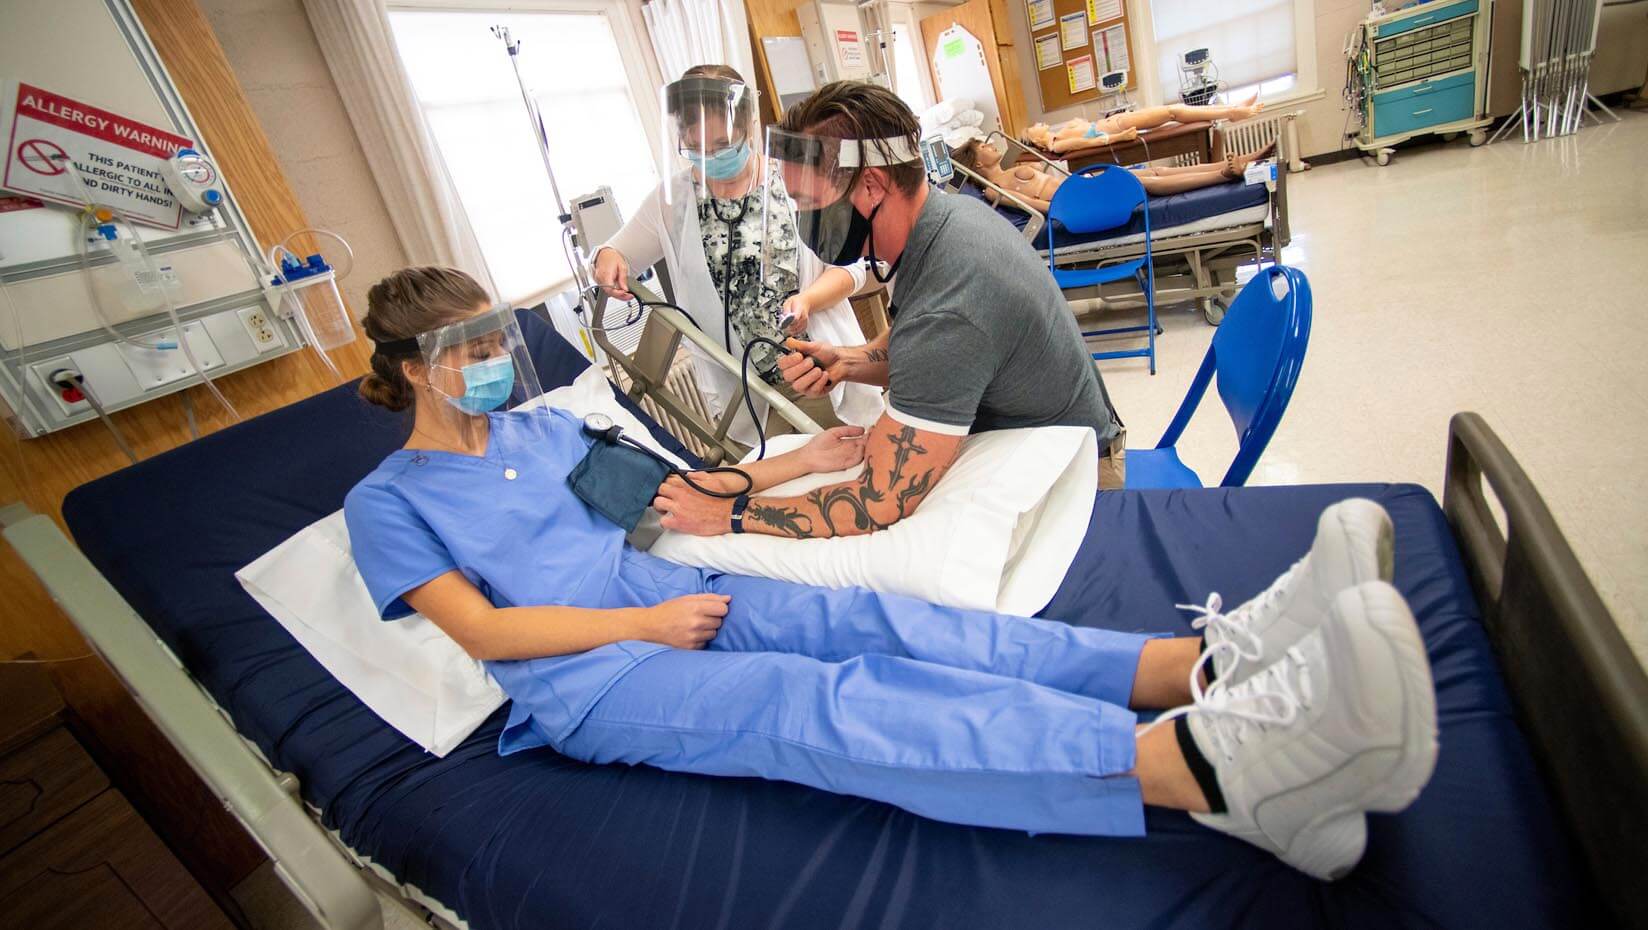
{"type": "Point", "coordinates": [1213, 310]}
{"type": "Point", "coordinates": [1478, 136]}
{"type": "Point", "coordinates": [1382, 158]}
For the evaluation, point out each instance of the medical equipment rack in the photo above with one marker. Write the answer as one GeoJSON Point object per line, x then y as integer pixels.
{"type": "Point", "coordinates": [1423, 69]}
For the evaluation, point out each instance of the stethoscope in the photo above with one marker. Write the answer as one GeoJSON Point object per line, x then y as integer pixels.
{"type": "Point", "coordinates": [731, 225]}
{"type": "Point", "coordinates": [600, 427]}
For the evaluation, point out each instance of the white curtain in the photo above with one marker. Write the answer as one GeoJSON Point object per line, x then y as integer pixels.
{"type": "Point", "coordinates": [1249, 40]}
{"type": "Point", "coordinates": [699, 32]}
{"type": "Point", "coordinates": [354, 37]}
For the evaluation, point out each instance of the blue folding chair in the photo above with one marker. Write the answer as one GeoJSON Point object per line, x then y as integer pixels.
{"type": "Point", "coordinates": [1097, 198]}
{"type": "Point", "coordinates": [1257, 353]}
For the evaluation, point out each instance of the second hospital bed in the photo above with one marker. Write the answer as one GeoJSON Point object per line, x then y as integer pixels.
{"type": "Point", "coordinates": [536, 840]}
{"type": "Point", "coordinates": [1198, 237]}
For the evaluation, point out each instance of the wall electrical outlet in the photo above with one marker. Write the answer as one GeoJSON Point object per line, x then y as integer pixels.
{"type": "Point", "coordinates": [258, 325]}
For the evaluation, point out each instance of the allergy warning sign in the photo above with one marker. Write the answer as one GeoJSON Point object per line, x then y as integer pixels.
{"type": "Point", "coordinates": [55, 145]}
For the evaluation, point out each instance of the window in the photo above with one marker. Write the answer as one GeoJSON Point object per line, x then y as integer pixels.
{"type": "Point", "coordinates": [463, 80]}
{"type": "Point", "coordinates": [907, 70]}
{"type": "Point", "coordinates": [1251, 42]}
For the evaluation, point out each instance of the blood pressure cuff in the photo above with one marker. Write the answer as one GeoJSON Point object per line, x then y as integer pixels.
{"type": "Point", "coordinates": [618, 481]}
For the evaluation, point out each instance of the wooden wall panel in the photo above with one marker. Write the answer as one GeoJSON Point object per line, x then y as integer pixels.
{"type": "Point", "coordinates": [770, 18]}
{"type": "Point", "coordinates": [979, 17]}
{"type": "Point", "coordinates": [41, 471]}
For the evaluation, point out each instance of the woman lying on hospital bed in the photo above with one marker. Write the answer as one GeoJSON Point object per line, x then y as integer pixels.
{"type": "Point", "coordinates": [1287, 720]}
{"type": "Point", "coordinates": [1035, 185]}
{"type": "Point", "coordinates": [1079, 133]}
{"type": "Point", "coordinates": [738, 279]}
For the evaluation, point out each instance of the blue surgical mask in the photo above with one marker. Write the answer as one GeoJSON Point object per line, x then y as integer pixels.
{"type": "Point", "coordinates": [486, 385]}
{"type": "Point", "coordinates": [723, 165]}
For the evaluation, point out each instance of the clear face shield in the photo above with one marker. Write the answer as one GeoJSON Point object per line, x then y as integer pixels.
{"type": "Point", "coordinates": [479, 366]}
{"type": "Point", "coordinates": [711, 137]}
{"type": "Point", "coordinates": [816, 174]}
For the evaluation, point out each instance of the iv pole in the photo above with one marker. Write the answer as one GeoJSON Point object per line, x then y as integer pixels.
{"type": "Point", "coordinates": [569, 234]}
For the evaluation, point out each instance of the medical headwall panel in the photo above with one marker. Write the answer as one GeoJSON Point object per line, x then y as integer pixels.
{"type": "Point", "coordinates": [96, 52]}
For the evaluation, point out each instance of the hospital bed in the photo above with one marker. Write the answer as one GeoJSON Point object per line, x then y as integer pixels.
{"type": "Point", "coordinates": [1198, 237]}
{"type": "Point", "coordinates": [1533, 819]}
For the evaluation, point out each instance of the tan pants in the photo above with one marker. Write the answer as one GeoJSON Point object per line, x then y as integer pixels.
{"type": "Point", "coordinates": [1113, 467]}
{"type": "Point", "coordinates": [819, 408]}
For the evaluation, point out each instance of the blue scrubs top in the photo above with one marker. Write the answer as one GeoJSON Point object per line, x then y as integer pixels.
{"type": "Point", "coordinates": [523, 542]}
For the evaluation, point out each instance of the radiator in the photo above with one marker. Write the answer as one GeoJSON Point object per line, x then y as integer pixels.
{"type": "Point", "coordinates": [684, 384]}
{"type": "Point", "coordinates": [1251, 135]}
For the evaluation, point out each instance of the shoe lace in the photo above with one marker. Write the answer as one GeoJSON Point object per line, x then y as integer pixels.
{"type": "Point", "coordinates": [1235, 627]}
{"type": "Point", "coordinates": [1272, 697]}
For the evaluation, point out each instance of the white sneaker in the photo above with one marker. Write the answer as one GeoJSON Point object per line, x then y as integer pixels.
{"type": "Point", "coordinates": [1342, 723]}
{"type": "Point", "coordinates": [1355, 543]}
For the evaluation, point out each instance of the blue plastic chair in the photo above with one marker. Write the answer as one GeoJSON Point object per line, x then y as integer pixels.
{"type": "Point", "coordinates": [1095, 199]}
{"type": "Point", "coordinates": [1257, 353]}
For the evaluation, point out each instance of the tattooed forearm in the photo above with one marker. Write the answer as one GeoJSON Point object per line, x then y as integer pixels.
{"type": "Point", "coordinates": [787, 520]}
{"type": "Point", "coordinates": [902, 468]}
{"type": "Point", "coordinates": [875, 355]}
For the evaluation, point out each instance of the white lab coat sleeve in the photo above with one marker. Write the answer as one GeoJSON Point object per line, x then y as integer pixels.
{"type": "Point", "coordinates": [642, 239]}
{"type": "Point", "coordinates": [857, 404]}
{"type": "Point", "coordinates": [860, 270]}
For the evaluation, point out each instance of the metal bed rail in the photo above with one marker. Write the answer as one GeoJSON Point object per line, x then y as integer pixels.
{"type": "Point", "coordinates": [318, 873]}
{"type": "Point", "coordinates": [648, 370]}
{"type": "Point", "coordinates": [1580, 693]}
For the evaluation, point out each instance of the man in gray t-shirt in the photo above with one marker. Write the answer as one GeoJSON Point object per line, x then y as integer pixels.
{"type": "Point", "coordinates": [982, 338]}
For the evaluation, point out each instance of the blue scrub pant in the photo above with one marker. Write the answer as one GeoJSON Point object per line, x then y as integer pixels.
{"type": "Point", "coordinates": [962, 716]}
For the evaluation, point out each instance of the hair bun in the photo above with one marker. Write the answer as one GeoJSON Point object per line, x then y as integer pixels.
{"type": "Point", "coordinates": [386, 389]}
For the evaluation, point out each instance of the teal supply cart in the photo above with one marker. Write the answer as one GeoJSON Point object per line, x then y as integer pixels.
{"type": "Point", "coordinates": [1423, 69]}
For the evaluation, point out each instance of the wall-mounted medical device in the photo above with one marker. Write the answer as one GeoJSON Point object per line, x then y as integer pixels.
{"type": "Point", "coordinates": [194, 181]}
{"type": "Point", "coordinates": [127, 270]}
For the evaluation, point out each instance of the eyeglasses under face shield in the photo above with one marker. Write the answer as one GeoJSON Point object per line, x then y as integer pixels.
{"type": "Point", "coordinates": [709, 136]}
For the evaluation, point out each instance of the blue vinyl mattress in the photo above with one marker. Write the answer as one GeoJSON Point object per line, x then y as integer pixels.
{"type": "Point", "coordinates": [539, 841]}
{"type": "Point", "coordinates": [1165, 212]}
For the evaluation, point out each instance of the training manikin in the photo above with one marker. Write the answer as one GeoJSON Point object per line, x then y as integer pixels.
{"type": "Point", "coordinates": [1120, 127]}
{"type": "Point", "coordinates": [1035, 185]}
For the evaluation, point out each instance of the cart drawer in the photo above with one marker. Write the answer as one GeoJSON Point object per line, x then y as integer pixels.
{"type": "Point", "coordinates": [1442, 13]}
{"type": "Point", "coordinates": [1425, 89]}
{"type": "Point", "coordinates": [1407, 111]}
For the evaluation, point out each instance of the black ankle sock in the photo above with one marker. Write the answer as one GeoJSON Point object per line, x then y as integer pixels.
{"type": "Point", "coordinates": [1200, 768]}
{"type": "Point", "coordinates": [1210, 669]}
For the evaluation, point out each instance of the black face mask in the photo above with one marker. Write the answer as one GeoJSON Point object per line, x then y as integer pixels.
{"type": "Point", "coordinates": [810, 226]}
{"type": "Point", "coordinates": [819, 228]}
{"type": "Point", "coordinates": [875, 263]}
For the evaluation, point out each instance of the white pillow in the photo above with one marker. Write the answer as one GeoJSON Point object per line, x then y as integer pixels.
{"type": "Point", "coordinates": [407, 671]}
{"type": "Point", "coordinates": [998, 532]}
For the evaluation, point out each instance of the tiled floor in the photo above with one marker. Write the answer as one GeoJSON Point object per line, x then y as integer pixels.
{"type": "Point", "coordinates": [1511, 280]}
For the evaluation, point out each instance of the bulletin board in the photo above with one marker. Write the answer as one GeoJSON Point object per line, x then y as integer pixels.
{"type": "Point", "coordinates": [1073, 43]}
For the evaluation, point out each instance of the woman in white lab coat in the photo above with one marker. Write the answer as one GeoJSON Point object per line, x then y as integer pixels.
{"type": "Point", "coordinates": [736, 266]}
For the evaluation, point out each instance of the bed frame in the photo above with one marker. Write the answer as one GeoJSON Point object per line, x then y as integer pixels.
{"type": "Point", "coordinates": [657, 375]}
{"type": "Point", "coordinates": [1198, 266]}
{"type": "Point", "coordinates": [1581, 695]}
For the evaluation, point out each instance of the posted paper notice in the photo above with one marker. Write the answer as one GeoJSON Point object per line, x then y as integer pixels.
{"type": "Point", "coordinates": [1073, 29]}
{"type": "Point", "coordinates": [1081, 74]}
{"type": "Point", "coordinates": [1047, 52]}
{"type": "Point", "coordinates": [118, 159]}
{"type": "Point", "coordinates": [1040, 13]}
